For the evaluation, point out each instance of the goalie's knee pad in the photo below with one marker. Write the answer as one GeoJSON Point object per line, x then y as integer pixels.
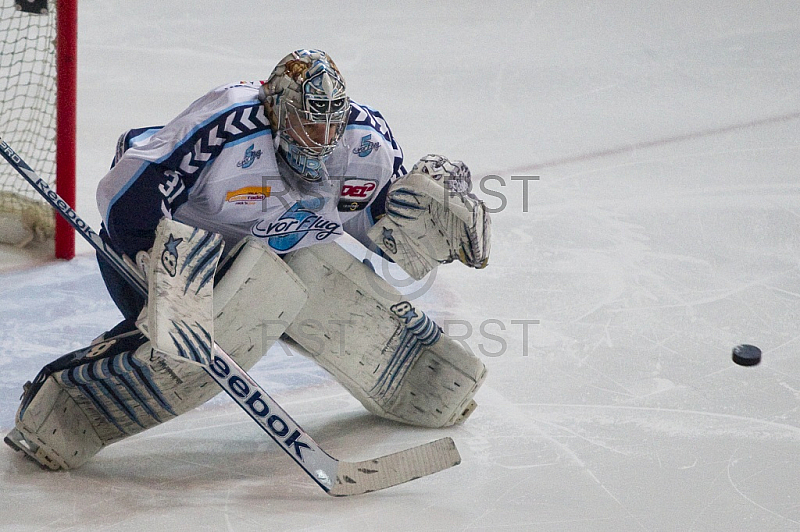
{"type": "Point", "coordinates": [120, 386]}
{"type": "Point", "coordinates": [388, 354]}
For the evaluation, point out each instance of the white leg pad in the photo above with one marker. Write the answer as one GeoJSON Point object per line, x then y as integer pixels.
{"type": "Point", "coordinates": [390, 356]}
{"type": "Point", "coordinates": [55, 431]}
{"type": "Point", "coordinates": [114, 392]}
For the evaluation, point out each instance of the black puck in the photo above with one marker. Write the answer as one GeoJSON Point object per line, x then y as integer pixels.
{"type": "Point", "coordinates": [746, 355]}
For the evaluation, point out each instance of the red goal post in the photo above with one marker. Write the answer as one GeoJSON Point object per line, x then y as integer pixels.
{"type": "Point", "coordinates": [38, 98]}
{"type": "Point", "coordinates": [66, 118]}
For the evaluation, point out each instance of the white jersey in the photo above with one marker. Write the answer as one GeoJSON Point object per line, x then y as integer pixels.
{"type": "Point", "coordinates": [214, 166]}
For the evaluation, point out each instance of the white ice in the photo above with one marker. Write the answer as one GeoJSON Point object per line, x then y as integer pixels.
{"type": "Point", "coordinates": [663, 230]}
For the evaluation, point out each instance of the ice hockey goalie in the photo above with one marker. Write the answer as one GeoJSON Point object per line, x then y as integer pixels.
{"type": "Point", "coordinates": [240, 259]}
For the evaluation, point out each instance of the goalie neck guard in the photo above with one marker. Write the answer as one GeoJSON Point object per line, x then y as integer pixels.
{"type": "Point", "coordinates": [307, 107]}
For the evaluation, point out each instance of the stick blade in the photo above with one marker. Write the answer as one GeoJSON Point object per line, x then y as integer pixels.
{"type": "Point", "coordinates": [354, 478]}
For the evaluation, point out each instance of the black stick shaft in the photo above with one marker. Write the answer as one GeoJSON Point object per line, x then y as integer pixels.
{"type": "Point", "coordinates": [133, 277]}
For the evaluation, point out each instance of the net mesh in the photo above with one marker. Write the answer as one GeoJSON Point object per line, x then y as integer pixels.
{"type": "Point", "coordinates": [27, 117]}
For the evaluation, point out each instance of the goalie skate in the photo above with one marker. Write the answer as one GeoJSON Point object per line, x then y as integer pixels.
{"type": "Point", "coordinates": [47, 409]}
{"type": "Point", "coordinates": [35, 453]}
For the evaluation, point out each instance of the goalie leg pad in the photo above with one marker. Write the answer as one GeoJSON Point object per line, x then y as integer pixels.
{"type": "Point", "coordinates": [56, 437]}
{"type": "Point", "coordinates": [52, 427]}
{"type": "Point", "coordinates": [122, 386]}
{"type": "Point", "coordinates": [389, 355]}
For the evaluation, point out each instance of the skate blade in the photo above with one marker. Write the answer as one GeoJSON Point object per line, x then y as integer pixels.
{"type": "Point", "coordinates": [17, 441]}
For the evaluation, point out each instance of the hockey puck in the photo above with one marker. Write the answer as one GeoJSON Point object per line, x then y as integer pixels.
{"type": "Point", "coordinates": [746, 355]}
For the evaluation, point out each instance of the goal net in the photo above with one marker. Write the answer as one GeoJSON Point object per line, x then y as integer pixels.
{"type": "Point", "coordinates": [34, 117]}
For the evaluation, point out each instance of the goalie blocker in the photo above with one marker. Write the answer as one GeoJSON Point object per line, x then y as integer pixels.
{"type": "Point", "coordinates": [385, 352]}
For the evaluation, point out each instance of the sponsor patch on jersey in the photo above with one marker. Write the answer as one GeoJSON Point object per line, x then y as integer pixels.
{"type": "Point", "coordinates": [356, 193]}
{"type": "Point", "coordinates": [247, 195]}
{"type": "Point", "coordinates": [302, 220]}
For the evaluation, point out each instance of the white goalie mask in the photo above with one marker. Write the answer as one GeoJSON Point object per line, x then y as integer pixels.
{"type": "Point", "coordinates": [307, 107]}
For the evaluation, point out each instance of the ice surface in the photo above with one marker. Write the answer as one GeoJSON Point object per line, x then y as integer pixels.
{"type": "Point", "coordinates": [662, 231]}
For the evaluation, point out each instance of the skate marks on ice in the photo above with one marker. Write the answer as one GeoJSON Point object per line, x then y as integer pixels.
{"type": "Point", "coordinates": [604, 467]}
{"type": "Point", "coordinates": [658, 143]}
{"type": "Point", "coordinates": [213, 469]}
{"type": "Point", "coordinates": [627, 412]}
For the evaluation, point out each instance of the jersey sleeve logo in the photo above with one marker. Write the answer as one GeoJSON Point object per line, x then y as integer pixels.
{"type": "Point", "coordinates": [367, 146]}
{"type": "Point", "coordinates": [250, 156]}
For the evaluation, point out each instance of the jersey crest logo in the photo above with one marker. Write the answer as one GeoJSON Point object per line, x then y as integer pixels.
{"type": "Point", "coordinates": [250, 156]}
{"type": "Point", "coordinates": [295, 224]}
{"type": "Point", "coordinates": [366, 147]}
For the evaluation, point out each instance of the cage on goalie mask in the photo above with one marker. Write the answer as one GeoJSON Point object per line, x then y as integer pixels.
{"type": "Point", "coordinates": [307, 106]}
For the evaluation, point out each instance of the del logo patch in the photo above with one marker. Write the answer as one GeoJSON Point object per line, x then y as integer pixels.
{"type": "Point", "coordinates": [302, 220]}
{"type": "Point", "coordinates": [356, 193]}
{"type": "Point", "coordinates": [247, 195]}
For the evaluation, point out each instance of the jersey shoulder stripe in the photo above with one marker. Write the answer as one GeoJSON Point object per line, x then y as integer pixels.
{"type": "Point", "coordinates": [364, 117]}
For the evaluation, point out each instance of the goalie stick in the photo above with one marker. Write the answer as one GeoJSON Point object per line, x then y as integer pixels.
{"type": "Point", "coordinates": [336, 477]}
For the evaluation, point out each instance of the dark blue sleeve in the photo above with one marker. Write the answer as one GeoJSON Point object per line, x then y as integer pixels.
{"type": "Point", "coordinates": [155, 193]}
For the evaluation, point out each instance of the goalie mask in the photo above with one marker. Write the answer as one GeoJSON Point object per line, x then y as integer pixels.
{"type": "Point", "coordinates": [307, 107]}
